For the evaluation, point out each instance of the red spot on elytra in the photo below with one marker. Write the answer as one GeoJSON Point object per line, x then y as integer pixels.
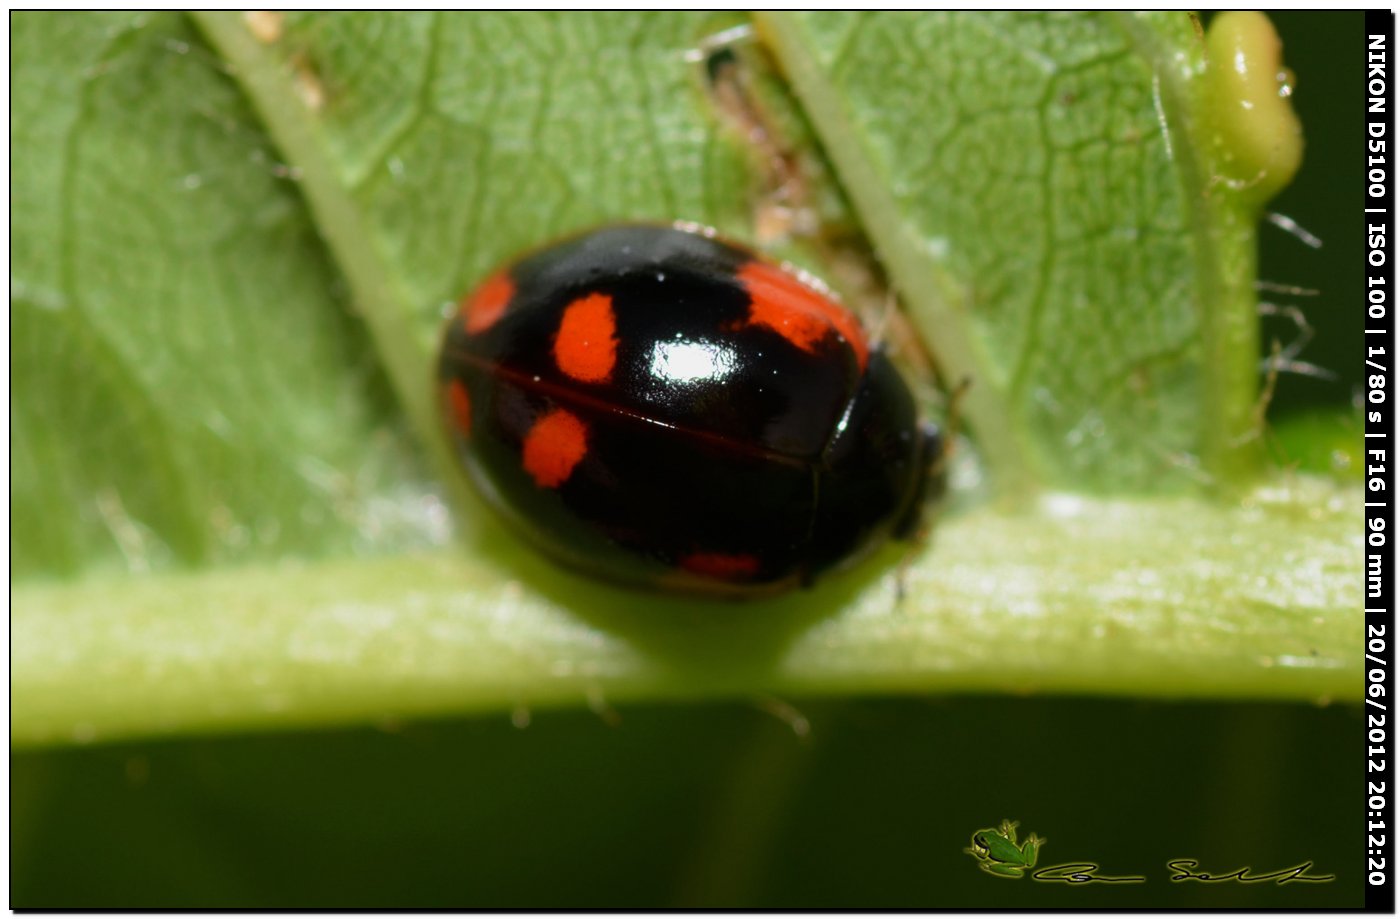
{"type": "Point", "coordinates": [781, 302]}
{"type": "Point", "coordinates": [459, 407]}
{"type": "Point", "coordinates": [585, 347]}
{"type": "Point", "coordinates": [555, 445]}
{"type": "Point", "coordinates": [488, 302]}
{"type": "Point", "coordinates": [720, 565]}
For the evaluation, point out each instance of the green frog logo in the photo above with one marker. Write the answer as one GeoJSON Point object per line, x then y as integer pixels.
{"type": "Point", "coordinates": [998, 853]}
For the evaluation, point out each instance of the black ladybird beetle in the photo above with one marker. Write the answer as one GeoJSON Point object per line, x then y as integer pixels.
{"type": "Point", "coordinates": [655, 405]}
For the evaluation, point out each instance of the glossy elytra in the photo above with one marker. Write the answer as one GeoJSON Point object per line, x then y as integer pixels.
{"type": "Point", "coordinates": [657, 406]}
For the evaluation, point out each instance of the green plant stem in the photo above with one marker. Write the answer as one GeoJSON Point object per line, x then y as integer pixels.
{"type": "Point", "coordinates": [1167, 598]}
{"type": "Point", "coordinates": [1224, 226]}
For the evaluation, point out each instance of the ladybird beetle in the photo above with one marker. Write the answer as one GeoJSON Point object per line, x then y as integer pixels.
{"type": "Point", "coordinates": [657, 406]}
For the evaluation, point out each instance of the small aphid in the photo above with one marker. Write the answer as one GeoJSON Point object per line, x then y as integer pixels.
{"type": "Point", "coordinates": [307, 82]}
{"type": "Point", "coordinates": [266, 25]}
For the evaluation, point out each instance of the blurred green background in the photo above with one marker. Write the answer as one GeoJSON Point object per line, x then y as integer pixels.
{"type": "Point", "coordinates": [1325, 199]}
{"type": "Point", "coordinates": [717, 806]}
{"type": "Point", "coordinates": [725, 804]}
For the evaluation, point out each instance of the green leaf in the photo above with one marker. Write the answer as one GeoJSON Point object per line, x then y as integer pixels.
{"type": "Point", "coordinates": [231, 498]}
{"type": "Point", "coordinates": [1031, 183]}
{"type": "Point", "coordinates": [190, 385]}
